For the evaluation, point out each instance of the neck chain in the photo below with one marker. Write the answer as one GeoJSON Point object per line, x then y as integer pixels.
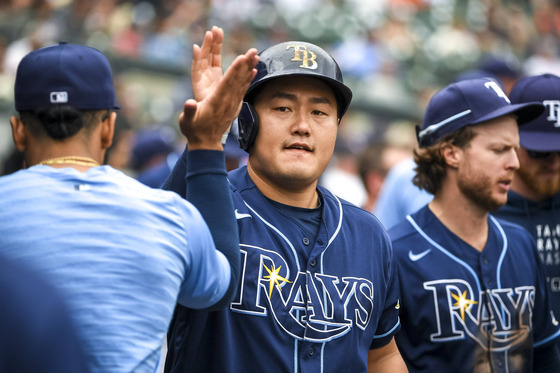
{"type": "Point", "coordinates": [72, 159]}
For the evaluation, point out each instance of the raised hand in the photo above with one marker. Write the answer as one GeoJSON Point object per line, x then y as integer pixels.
{"type": "Point", "coordinates": [217, 97]}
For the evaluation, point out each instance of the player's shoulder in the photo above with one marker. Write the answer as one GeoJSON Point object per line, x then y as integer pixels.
{"type": "Point", "coordinates": [350, 212]}
{"type": "Point", "coordinates": [408, 230]}
{"type": "Point", "coordinates": [131, 191]}
{"type": "Point", "coordinates": [240, 181]}
{"type": "Point", "coordinates": [402, 231]}
{"type": "Point", "coordinates": [511, 230]}
{"type": "Point", "coordinates": [9, 179]}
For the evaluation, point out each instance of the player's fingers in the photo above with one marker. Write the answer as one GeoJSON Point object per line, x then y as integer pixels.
{"type": "Point", "coordinates": [196, 52]}
{"type": "Point", "coordinates": [218, 37]}
{"type": "Point", "coordinates": [187, 116]}
{"type": "Point", "coordinates": [242, 70]}
{"type": "Point", "coordinates": [206, 49]}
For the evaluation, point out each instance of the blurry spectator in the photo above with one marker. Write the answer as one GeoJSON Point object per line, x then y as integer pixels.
{"type": "Point", "coordinates": [163, 45]}
{"type": "Point", "coordinates": [399, 196]}
{"type": "Point", "coordinates": [391, 51]}
{"type": "Point", "coordinates": [38, 36]}
{"type": "Point", "coordinates": [373, 165]}
{"type": "Point", "coordinates": [545, 57]}
{"type": "Point", "coordinates": [153, 154]}
{"type": "Point", "coordinates": [506, 68]}
{"type": "Point", "coordinates": [341, 176]}
{"type": "Point", "coordinates": [155, 175]}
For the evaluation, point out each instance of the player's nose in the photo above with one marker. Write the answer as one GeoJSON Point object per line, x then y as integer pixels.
{"type": "Point", "coordinates": [301, 123]}
{"type": "Point", "coordinates": [512, 160]}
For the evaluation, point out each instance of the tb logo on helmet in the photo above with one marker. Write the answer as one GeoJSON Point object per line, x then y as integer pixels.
{"type": "Point", "coordinates": [307, 57]}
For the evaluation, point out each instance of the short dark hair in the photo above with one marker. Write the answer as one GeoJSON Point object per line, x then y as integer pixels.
{"type": "Point", "coordinates": [61, 122]}
{"type": "Point", "coordinates": [430, 163]}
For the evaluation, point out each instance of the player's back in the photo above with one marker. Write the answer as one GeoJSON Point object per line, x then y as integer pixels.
{"type": "Point", "coordinates": [116, 248]}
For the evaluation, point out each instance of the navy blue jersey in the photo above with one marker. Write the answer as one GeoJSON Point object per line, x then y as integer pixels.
{"type": "Point", "coordinates": [542, 220]}
{"type": "Point", "coordinates": [462, 309]}
{"type": "Point", "coordinates": [318, 314]}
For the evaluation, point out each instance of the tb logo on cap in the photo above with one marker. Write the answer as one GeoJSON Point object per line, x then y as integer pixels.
{"type": "Point", "coordinates": [496, 88]}
{"type": "Point", "coordinates": [59, 97]}
{"type": "Point", "coordinates": [306, 57]}
{"type": "Point", "coordinates": [553, 107]}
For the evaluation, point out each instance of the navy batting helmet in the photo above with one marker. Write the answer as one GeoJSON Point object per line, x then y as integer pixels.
{"type": "Point", "coordinates": [292, 58]}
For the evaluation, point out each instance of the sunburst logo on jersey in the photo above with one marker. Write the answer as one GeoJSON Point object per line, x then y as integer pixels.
{"type": "Point", "coordinates": [463, 303]}
{"type": "Point", "coordinates": [274, 279]}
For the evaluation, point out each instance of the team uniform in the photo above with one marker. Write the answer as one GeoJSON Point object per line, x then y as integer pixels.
{"type": "Point", "coordinates": [120, 253]}
{"type": "Point", "coordinates": [462, 309]}
{"type": "Point", "coordinates": [542, 220]}
{"type": "Point", "coordinates": [33, 313]}
{"type": "Point", "coordinates": [304, 303]}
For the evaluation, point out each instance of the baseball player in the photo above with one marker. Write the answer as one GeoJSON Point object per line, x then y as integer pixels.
{"type": "Point", "coordinates": [534, 198]}
{"type": "Point", "coordinates": [121, 253]}
{"type": "Point", "coordinates": [473, 290]}
{"type": "Point", "coordinates": [318, 290]}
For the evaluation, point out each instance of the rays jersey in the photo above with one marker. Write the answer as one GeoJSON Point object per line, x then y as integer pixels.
{"type": "Point", "coordinates": [542, 220]}
{"type": "Point", "coordinates": [463, 310]}
{"type": "Point", "coordinates": [301, 306]}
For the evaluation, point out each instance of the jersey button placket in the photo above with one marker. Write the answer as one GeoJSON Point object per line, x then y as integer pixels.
{"type": "Point", "coordinates": [305, 241]}
{"type": "Point", "coordinates": [311, 351]}
{"type": "Point", "coordinates": [313, 262]}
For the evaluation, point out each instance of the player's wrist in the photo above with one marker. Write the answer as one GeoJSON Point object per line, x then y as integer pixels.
{"type": "Point", "coordinates": [205, 146]}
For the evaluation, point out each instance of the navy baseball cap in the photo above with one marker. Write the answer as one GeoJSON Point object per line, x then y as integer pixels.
{"type": "Point", "coordinates": [64, 74]}
{"type": "Point", "coordinates": [543, 133]}
{"type": "Point", "coordinates": [469, 102]}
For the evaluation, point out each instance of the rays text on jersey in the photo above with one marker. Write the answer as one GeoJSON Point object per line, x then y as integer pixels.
{"type": "Point", "coordinates": [308, 306]}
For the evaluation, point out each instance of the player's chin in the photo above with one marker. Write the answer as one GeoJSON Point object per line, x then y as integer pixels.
{"type": "Point", "coordinates": [300, 176]}
{"type": "Point", "coordinates": [498, 201]}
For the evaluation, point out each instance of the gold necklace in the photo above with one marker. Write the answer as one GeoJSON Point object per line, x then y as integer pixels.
{"type": "Point", "coordinates": [72, 159]}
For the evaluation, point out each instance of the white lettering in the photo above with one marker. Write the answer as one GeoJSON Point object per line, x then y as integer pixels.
{"type": "Point", "coordinates": [553, 111]}
{"type": "Point", "coordinates": [496, 88]}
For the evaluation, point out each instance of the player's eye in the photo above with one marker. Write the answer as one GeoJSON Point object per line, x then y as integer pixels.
{"type": "Point", "coordinates": [318, 112]}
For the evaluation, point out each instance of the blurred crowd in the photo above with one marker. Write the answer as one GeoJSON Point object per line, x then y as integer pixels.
{"type": "Point", "coordinates": [394, 54]}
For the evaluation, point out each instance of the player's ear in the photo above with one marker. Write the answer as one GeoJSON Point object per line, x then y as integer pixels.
{"type": "Point", "coordinates": [451, 154]}
{"type": "Point", "coordinates": [108, 129]}
{"type": "Point", "coordinates": [19, 134]}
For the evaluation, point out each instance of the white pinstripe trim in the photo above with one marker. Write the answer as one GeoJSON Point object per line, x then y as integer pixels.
{"type": "Point", "coordinates": [434, 127]}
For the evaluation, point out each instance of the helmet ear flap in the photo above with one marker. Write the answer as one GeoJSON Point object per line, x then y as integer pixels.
{"type": "Point", "coordinates": [248, 125]}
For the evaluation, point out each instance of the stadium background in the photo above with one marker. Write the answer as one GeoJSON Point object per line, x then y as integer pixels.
{"type": "Point", "coordinates": [394, 53]}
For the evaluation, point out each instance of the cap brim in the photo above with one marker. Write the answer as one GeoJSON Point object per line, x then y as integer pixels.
{"type": "Point", "coordinates": [525, 112]}
{"type": "Point", "coordinates": [540, 141]}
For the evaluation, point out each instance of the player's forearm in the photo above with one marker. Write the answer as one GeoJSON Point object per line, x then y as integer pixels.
{"type": "Point", "coordinates": [176, 180]}
{"type": "Point", "coordinates": [208, 190]}
{"type": "Point", "coordinates": [386, 359]}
